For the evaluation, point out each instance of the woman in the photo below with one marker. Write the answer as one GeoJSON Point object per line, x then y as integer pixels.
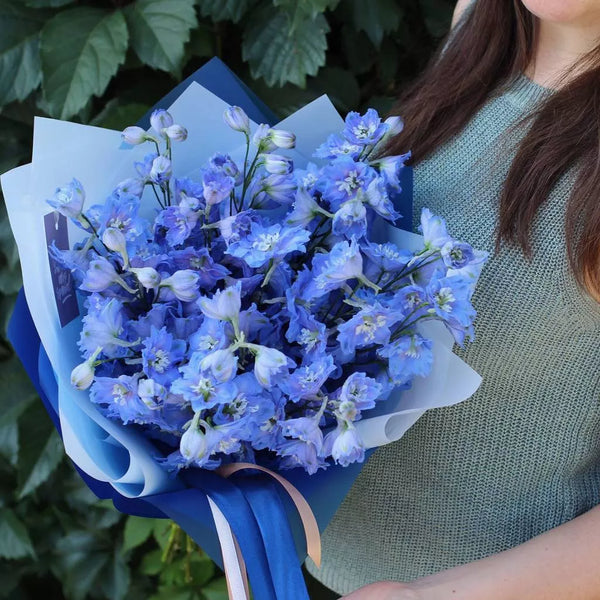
{"type": "Point", "coordinates": [496, 498]}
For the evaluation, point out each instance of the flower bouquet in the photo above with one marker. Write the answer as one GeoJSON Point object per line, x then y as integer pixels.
{"type": "Point", "coordinates": [228, 319]}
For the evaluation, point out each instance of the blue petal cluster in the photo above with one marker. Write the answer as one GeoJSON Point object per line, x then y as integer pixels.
{"type": "Point", "coordinates": [252, 318]}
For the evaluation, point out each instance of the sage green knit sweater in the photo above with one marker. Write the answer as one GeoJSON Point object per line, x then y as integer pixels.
{"type": "Point", "coordinates": [523, 454]}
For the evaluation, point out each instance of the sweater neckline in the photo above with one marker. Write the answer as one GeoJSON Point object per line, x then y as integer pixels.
{"type": "Point", "coordinates": [525, 93]}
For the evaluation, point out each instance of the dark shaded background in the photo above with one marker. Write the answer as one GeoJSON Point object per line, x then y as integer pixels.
{"type": "Point", "coordinates": [105, 62]}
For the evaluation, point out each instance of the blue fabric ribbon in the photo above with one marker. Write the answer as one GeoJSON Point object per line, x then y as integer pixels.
{"type": "Point", "coordinates": [261, 516]}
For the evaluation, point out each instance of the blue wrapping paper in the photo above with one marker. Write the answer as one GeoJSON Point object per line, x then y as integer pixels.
{"type": "Point", "coordinates": [260, 514]}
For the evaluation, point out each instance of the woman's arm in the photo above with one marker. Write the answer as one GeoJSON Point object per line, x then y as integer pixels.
{"type": "Point", "coordinates": [561, 564]}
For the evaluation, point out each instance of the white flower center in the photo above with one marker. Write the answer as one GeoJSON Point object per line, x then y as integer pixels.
{"type": "Point", "coordinates": [160, 361]}
{"type": "Point", "coordinates": [444, 299]}
{"type": "Point", "coordinates": [266, 241]}
{"type": "Point", "coordinates": [350, 183]}
{"type": "Point", "coordinates": [203, 387]}
{"type": "Point", "coordinates": [363, 131]}
{"type": "Point", "coordinates": [370, 325]}
{"type": "Point", "coordinates": [119, 393]}
{"type": "Point", "coordinates": [308, 338]}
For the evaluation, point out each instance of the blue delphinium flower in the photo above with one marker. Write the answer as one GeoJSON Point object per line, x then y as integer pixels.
{"type": "Point", "coordinates": [344, 444]}
{"type": "Point", "coordinates": [306, 381]}
{"type": "Point", "coordinates": [366, 129]}
{"type": "Point", "coordinates": [386, 257]}
{"type": "Point", "coordinates": [343, 179]}
{"type": "Point", "coordinates": [68, 200]}
{"type": "Point", "coordinates": [434, 230]}
{"type": "Point", "coordinates": [303, 328]}
{"type": "Point", "coordinates": [306, 179]}
{"type": "Point", "coordinates": [217, 186]}
{"type": "Point", "coordinates": [450, 298]}
{"type": "Point", "coordinates": [224, 162]}
{"type": "Point", "coordinates": [120, 212]}
{"type": "Point", "coordinates": [274, 242]}
{"type": "Point", "coordinates": [337, 146]}
{"type": "Point", "coordinates": [331, 271]}
{"type": "Point", "coordinates": [211, 335]}
{"type": "Point", "coordinates": [179, 223]}
{"type": "Point", "coordinates": [390, 167]}
{"type": "Point", "coordinates": [358, 393]}
{"type": "Point", "coordinates": [408, 357]}
{"type": "Point", "coordinates": [161, 354]}
{"type": "Point", "coordinates": [103, 327]}
{"type": "Point", "coordinates": [303, 444]}
{"type": "Point", "coordinates": [200, 388]}
{"type": "Point", "coordinates": [350, 219]}
{"type": "Point", "coordinates": [371, 325]}
{"type": "Point", "coordinates": [305, 209]}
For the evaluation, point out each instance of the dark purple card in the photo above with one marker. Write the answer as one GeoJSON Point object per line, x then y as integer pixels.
{"type": "Point", "coordinates": [55, 225]}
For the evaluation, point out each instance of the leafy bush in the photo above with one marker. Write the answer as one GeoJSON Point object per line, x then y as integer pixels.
{"type": "Point", "coordinates": [105, 62]}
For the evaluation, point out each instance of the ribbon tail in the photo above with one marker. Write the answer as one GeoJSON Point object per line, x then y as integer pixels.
{"type": "Point", "coordinates": [235, 570]}
{"type": "Point", "coordinates": [273, 523]}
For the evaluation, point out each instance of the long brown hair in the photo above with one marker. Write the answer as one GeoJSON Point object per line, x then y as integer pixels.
{"type": "Point", "coordinates": [487, 51]}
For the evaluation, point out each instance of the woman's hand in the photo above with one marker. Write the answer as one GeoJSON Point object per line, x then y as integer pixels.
{"type": "Point", "coordinates": [385, 590]}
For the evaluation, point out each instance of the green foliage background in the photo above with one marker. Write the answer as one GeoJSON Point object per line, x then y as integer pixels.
{"type": "Point", "coordinates": [105, 62]}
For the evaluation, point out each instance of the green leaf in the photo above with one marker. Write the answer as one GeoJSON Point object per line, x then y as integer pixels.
{"type": "Point", "coordinates": [279, 54]}
{"type": "Point", "coordinates": [358, 50]}
{"type": "Point", "coordinates": [115, 578]}
{"type": "Point", "coordinates": [162, 532]}
{"type": "Point", "coordinates": [20, 71]}
{"type": "Point", "coordinates": [41, 449]}
{"type": "Point", "coordinates": [118, 116]}
{"type": "Point", "coordinates": [137, 531]}
{"type": "Point", "coordinates": [216, 590]}
{"type": "Point", "coordinates": [168, 592]}
{"type": "Point", "coordinates": [152, 563]}
{"type": "Point", "coordinates": [201, 42]}
{"type": "Point", "coordinates": [224, 10]}
{"type": "Point", "coordinates": [81, 559]}
{"type": "Point", "coordinates": [15, 384]}
{"type": "Point", "coordinates": [438, 15]}
{"type": "Point", "coordinates": [160, 30]}
{"type": "Point", "coordinates": [47, 3]}
{"type": "Point", "coordinates": [376, 17]}
{"type": "Point", "coordinates": [340, 85]}
{"type": "Point", "coordinates": [310, 9]}
{"type": "Point", "coordinates": [14, 539]}
{"type": "Point", "coordinates": [81, 49]}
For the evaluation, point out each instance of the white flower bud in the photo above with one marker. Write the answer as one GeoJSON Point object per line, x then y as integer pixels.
{"type": "Point", "coordinates": [134, 135]}
{"type": "Point", "coordinates": [277, 164]}
{"type": "Point", "coordinates": [147, 276]}
{"type": "Point", "coordinates": [160, 120]}
{"type": "Point", "coordinates": [82, 376]}
{"type": "Point", "coordinates": [396, 125]}
{"type": "Point", "coordinates": [177, 133]}
{"type": "Point", "coordinates": [237, 119]}
{"type": "Point", "coordinates": [193, 444]}
{"type": "Point", "coordinates": [114, 240]}
{"type": "Point", "coordinates": [283, 139]}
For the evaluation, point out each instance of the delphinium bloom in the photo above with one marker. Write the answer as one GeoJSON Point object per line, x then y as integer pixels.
{"type": "Point", "coordinates": [251, 316]}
